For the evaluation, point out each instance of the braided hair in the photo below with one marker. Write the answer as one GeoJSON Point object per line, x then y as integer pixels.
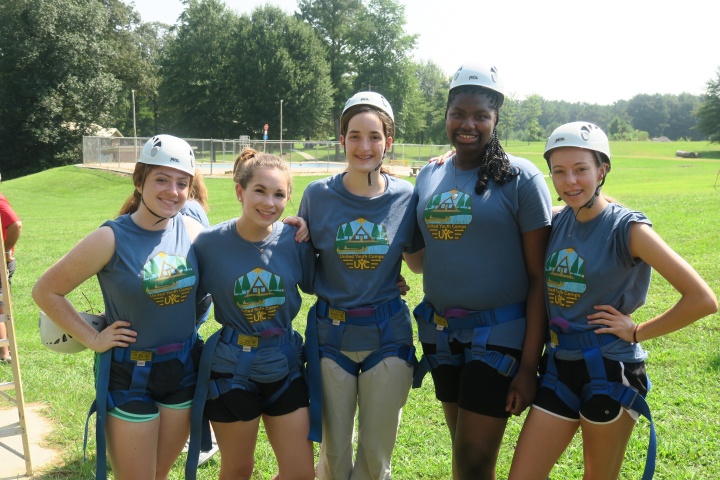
{"type": "Point", "coordinates": [495, 164]}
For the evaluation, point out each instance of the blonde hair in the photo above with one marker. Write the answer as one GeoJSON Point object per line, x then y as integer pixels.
{"type": "Point", "coordinates": [250, 160]}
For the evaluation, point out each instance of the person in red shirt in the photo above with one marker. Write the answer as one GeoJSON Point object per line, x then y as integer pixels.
{"type": "Point", "coordinates": [11, 227]}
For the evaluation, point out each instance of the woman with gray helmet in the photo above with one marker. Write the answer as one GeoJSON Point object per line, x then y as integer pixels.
{"type": "Point", "coordinates": [597, 274]}
{"type": "Point", "coordinates": [359, 335]}
{"type": "Point", "coordinates": [484, 217]}
{"type": "Point", "coordinates": [146, 356]}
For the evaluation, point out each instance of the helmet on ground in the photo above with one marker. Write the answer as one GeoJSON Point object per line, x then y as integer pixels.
{"type": "Point", "coordinates": [481, 76]}
{"type": "Point", "coordinates": [580, 135]}
{"type": "Point", "coordinates": [57, 340]}
{"type": "Point", "coordinates": [169, 151]}
{"type": "Point", "coordinates": [373, 99]}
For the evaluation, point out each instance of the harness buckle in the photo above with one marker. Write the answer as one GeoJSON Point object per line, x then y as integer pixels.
{"type": "Point", "coordinates": [248, 342]}
{"type": "Point", "coordinates": [439, 321]}
{"type": "Point", "coordinates": [336, 316]}
{"type": "Point", "coordinates": [554, 340]}
{"type": "Point", "coordinates": [141, 356]}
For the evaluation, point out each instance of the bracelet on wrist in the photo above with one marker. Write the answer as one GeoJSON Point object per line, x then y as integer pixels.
{"type": "Point", "coordinates": [635, 333]}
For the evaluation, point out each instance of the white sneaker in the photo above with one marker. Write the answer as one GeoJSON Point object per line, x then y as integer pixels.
{"type": "Point", "coordinates": [205, 456]}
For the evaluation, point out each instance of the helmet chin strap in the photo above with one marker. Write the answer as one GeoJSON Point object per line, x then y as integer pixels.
{"type": "Point", "coordinates": [376, 169]}
{"type": "Point", "coordinates": [591, 202]}
{"type": "Point", "coordinates": [161, 218]}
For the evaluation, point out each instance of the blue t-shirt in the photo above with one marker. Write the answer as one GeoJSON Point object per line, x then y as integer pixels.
{"type": "Point", "coordinates": [473, 243]}
{"type": "Point", "coordinates": [254, 292]}
{"type": "Point", "coordinates": [151, 281]}
{"type": "Point", "coordinates": [360, 242]}
{"type": "Point", "coordinates": [193, 209]}
{"type": "Point", "coordinates": [589, 263]}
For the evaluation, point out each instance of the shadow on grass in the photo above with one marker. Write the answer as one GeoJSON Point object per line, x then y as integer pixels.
{"type": "Point", "coordinates": [715, 363]}
{"type": "Point", "coordinates": [74, 470]}
{"type": "Point", "coordinates": [715, 154]}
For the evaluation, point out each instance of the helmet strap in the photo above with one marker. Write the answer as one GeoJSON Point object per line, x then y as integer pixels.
{"type": "Point", "coordinates": [161, 218]}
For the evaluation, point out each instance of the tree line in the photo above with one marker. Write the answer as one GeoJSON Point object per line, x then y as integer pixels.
{"type": "Point", "coordinates": [68, 66]}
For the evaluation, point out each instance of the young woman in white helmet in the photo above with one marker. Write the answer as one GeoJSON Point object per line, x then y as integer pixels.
{"type": "Point", "coordinates": [359, 333]}
{"type": "Point", "coordinates": [484, 220]}
{"type": "Point", "coordinates": [146, 356]}
{"type": "Point", "coordinates": [597, 274]}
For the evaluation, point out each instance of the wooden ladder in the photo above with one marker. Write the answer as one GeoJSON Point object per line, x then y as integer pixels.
{"type": "Point", "coordinates": [16, 384]}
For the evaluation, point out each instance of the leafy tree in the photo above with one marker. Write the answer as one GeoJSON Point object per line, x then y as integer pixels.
{"type": "Point", "coordinates": [381, 51]}
{"type": "Point", "coordinates": [682, 110]}
{"type": "Point", "coordinates": [54, 78]}
{"type": "Point", "coordinates": [708, 115]}
{"type": "Point", "coordinates": [334, 23]}
{"type": "Point", "coordinates": [194, 73]}
{"type": "Point", "coordinates": [509, 117]}
{"type": "Point", "coordinates": [649, 113]}
{"type": "Point", "coordinates": [434, 84]}
{"type": "Point", "coordinates": [532, 109]}
{"type": "Point", "coordinates": [278, 57]}
{"type": "Point", "coordinates": [621, 129]}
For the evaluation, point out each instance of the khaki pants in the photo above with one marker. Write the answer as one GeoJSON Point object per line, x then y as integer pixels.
{"type": "Point", "coordinates": [379, 395]}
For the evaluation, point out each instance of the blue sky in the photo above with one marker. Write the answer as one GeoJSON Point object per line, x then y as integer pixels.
{"type": "Point", "coordinates": [595, 52]}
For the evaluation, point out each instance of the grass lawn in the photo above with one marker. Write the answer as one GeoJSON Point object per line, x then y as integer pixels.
{"type": "Point", "coordinates": [59, 206]}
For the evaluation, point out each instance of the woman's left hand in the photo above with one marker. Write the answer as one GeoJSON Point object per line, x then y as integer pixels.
{"type": "Point", "coordinates": [612, 321]}
{"type": "Point", "coordinates": [303, 233]}
{"type": "Point", "coordinates": [521, 392]}
{"type": "Point", "coordinates": [402, 285]}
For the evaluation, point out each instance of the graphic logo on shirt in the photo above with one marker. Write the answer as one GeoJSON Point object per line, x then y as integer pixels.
{"type": "Point", "coordinates": [168, 279]}
{"type": "Point", "coordinates": [565, 277]}
{"type": "Point", "coordinates": [361, 244]}
{"type": "Point", "coordinates": [259, 294]}
{"type": "Point", "coordinates": [448, 214]}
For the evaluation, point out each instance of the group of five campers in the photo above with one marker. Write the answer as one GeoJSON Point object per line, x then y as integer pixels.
{"type": "Point", "coordinates": [478, 226]}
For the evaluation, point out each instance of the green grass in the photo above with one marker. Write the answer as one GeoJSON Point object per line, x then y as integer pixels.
{"type": "Point", "coordinates": [59, 206]}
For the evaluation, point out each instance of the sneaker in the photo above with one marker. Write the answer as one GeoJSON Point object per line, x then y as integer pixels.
{"type": "Point", "coordinates": [205, 456]}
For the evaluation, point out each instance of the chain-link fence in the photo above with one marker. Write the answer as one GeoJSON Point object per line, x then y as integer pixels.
{"type": "Point", "coordinates": [214, 156]}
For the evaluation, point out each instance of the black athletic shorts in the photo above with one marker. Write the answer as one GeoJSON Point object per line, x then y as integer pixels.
{"type": "Point", "coordinates": [476, 386]}
{"type": "Point", "coordinates": [600, 408]}
{"type": "Point", "coordinates": [243, 405]}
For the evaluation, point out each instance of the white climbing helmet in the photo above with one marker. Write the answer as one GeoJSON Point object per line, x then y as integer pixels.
{"type": "Point", "coordinates": [169, 151]}
{"type": "Point", "coordinates": [57, 340]}
{"type": "Point", "coordinates": [480, 76]}
{"type": "Point", "coordinates": [373, 99]}
{"type": "Point", "coordinates": [581, 135]}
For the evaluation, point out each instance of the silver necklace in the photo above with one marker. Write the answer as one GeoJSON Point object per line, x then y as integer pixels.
{"type": "Point", "coordinates": [459, 189]}
{"type": "Point", "coordinates": [264, 243]}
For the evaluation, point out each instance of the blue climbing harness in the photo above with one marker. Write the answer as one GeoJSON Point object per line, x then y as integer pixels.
{"type": "Point", "coordinates": [590, 344]}
{"type": "Point", "coordinates": [339, 318]}
{"type": "Point", "coordinates": [437, 328]}
{"type": "Point", "coordinates": [250, 345]}
{"type": "Point", "coordinates": [143, 361]}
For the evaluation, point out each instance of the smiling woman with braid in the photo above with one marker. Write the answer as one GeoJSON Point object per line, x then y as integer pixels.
{"type": "Point", "coordinates": [484, 220]}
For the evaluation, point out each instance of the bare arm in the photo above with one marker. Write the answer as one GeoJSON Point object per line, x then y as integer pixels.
{"type": "Point", "coordinates": [524, 385]}
{"type": "Point", "coordinates": [192, 226]}
{"type": "Point", "coordinates": [87, 258]}
{"type": "Point", "coordinates": [415, 260]}
{"type": "Point", "coordinates": [13, 234]}
{"type": "Point", "coordinates": [696, 301]}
